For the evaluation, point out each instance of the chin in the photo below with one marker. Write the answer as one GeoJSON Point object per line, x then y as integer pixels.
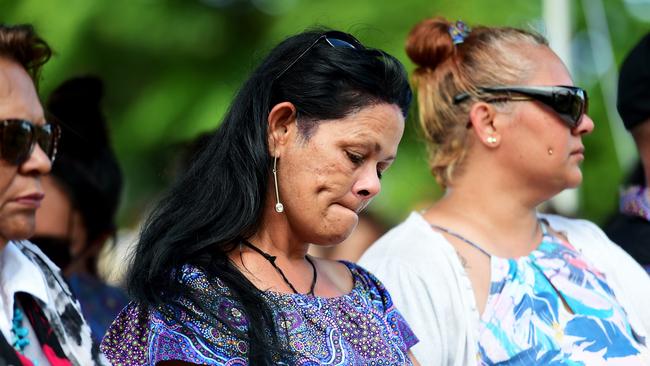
{"type": "Point", "coordinates": [337, 235]}
{"type": "Point", "coordinates": [18, 229]}
{"type": "Point", "coordinates": [337, 238]}
{"type": "Point", "coordinates": [574, 180]}
{"type": "Point", "coordinates": [332, 228]}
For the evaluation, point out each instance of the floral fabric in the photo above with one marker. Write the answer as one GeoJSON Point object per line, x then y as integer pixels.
{"type": "Point", "coordinates": [552, 307]}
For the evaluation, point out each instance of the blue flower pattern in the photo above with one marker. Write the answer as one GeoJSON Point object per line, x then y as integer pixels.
{"type": "Point", "coordinates": [553, 307]}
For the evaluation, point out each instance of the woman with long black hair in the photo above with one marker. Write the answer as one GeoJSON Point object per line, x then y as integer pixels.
{"type": "Point", "coordinates": [221, 274]}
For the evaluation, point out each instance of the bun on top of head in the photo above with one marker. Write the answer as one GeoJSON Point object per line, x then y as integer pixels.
{"type": "Point", "coordinates": [429, 43]}
{"type": "Point", "coordinates": [451, 59]}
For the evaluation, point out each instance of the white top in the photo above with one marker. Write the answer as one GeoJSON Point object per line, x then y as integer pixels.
{"type": "Point", "coordinates": [429, 286]}
{"type": "Point", "coordinates": [19, 274]}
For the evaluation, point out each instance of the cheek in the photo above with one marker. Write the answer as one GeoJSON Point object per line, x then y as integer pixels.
{"type": "Point", "coordinates": [7, 178]}
{"type": "Point", "coordinates": [317, 169]}
{"type": "Point", "coordinates": [557, 145]}
{"type": "Point", "coordinates": [327, 176]}
{"type": "Point", "coordinates": [544, 137]}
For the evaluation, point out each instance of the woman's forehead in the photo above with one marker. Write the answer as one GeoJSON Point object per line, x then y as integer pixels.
{"type": "Point", "coordinates": [548, 68]}
{"type": "Point", "coordinates": [18, 97]}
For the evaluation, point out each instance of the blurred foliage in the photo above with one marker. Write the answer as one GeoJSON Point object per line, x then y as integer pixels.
{"type": "Point", "coordinates": [172, 66]}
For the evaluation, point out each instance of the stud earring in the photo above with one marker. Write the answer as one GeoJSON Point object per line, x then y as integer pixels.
{"type": "Point", "coordinates": [279, 207]}
{"type": "Point", "coordinates": [550, 151]}
{"type": "Point", "coordinates": [491, 140]}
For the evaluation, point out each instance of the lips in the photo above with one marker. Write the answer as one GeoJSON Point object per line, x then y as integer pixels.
{"type": "Point", "coordinates": [357, 207]}
{"type": "Point", "coordinates": [578, 151]}
{"type": "Point", "coordinates": [32, 200]}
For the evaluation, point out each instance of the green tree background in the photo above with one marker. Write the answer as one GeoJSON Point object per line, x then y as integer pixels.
{"type": "Point", "coordinates": [172, 66]}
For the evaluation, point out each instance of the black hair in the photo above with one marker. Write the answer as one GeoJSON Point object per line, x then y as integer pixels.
{"type": "Point", "coordinates": [220, 197]}
{"type": "Point", "coordinates": [636, 177]}
{"type": "Point", "coordinates": [85, 165]}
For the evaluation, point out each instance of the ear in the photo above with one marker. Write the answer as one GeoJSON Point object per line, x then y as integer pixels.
{"type": "Point", "coordinates": [282, 126]}
{"type": "Point", "coordinates": [481, 117]}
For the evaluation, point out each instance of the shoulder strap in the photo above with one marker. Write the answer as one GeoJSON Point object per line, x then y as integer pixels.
{"type": "Point", "coordinates": [462, 238]}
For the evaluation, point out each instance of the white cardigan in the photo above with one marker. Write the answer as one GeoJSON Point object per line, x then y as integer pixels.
{"type": "Point", "coordinates": [431, 289]}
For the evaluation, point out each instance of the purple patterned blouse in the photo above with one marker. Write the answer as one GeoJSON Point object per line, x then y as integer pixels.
{"type": "Point", "coordinates": [360, 328]}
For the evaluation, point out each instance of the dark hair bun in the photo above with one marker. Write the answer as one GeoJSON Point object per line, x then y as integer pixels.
{"type": "Point", "coordinates": [429, 43]}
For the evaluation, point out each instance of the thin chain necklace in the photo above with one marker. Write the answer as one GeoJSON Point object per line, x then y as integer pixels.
{"type": "Point", "coordinates": [542, 224]}
{"type": "Point", "coordinates": [272, 259]}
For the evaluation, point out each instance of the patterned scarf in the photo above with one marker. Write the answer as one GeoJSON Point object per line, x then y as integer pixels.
{"type": "Point", "coordinates": [635, 201]}
{"type": "Point", "coordinates": [60, 324]}
{"type": "Point", "coordinates": [50, 345]}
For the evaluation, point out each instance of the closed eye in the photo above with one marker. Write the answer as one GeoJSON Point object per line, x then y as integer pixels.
{"type": "Point", "coordinates": [356, 159]}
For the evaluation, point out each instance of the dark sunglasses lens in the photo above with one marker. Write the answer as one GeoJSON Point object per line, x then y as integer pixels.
{"type": "Point", "coordinates": [570, 104]}
{"type": "Point", "coordinates": [16, 142]}
{"type": "Point", "coordinates": [45, 136]}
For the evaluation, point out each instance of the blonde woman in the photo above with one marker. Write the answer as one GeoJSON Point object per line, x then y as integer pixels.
{"type": "Point", "coordinates": [481, 276]}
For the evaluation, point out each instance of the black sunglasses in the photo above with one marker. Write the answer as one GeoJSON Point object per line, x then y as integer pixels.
{"type": "Point", "coordinates": [18, 137]}
{"type": "Point", "coordinates": [335, 39]}
{"type": "Point", "coordinates": [569, 102]}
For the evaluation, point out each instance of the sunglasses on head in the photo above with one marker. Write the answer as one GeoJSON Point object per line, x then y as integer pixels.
{"type": "Point", "coordinates": [335, 39]}
{"type": "Point", "coordinates": [569, 102]}
{"type": "Point", "coordinates": [18, 137]}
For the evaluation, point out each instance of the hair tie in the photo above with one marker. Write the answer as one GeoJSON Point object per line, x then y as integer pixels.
{"type": "Point", "coordinates": [459, 31]}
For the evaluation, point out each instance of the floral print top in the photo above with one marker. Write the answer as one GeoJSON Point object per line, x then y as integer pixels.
{"type": "Point", "coordinates": [553, 307]}
{"type": "Point", "coordinates": [359, 328]}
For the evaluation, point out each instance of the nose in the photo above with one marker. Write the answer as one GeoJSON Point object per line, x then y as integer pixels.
{"type": "Point", "coordinates": [585, 127]}
{"type": "Point", "coordinates": [368, 185]}
{"type": "Point", "coordinates": [38, 163]}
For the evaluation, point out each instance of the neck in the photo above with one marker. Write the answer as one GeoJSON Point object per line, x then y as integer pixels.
{"type": "Point", "coordinates": [273, 259]}
{"type": "Point", "coordinates": [274, 237]}
{"type": "Point", "coordinates": [499, 217]}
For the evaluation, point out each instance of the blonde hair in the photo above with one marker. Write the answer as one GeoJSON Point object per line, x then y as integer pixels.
{"type": "Point", "coordinates": [487, 56]}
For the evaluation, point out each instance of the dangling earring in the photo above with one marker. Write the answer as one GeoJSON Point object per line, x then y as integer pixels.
{"type": "Point", "coordinates": [279, 207]}
{"type": "Point", "coordinates": [491, 140]}
{"type": "Point", "coordinates": [550, 151]}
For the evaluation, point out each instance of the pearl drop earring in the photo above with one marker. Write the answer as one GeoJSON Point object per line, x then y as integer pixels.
{"type": "Point", "coordinates": [279, 207]}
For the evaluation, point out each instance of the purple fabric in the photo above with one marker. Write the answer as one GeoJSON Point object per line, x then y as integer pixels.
{"type": "Point", "coordinates": [360, 328]}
